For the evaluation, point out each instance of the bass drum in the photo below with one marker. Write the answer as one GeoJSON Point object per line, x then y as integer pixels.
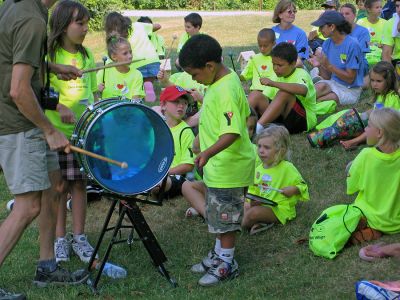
{"type": "Point", "coordinates": [126, 132]}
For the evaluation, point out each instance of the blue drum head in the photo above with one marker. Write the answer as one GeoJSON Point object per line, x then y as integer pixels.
{"type": "Point", "coordinates": [134, 134]}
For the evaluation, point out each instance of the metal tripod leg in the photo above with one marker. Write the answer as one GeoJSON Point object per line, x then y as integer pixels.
{"type": "Point", "coordinates": [149, 240]}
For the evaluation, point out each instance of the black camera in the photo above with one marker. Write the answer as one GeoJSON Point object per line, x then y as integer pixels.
{"type": "Point", "coordinates": [49, 98]}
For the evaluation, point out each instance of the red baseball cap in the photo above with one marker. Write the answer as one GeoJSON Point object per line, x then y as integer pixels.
{"type": "Point", "coordinates": [173, 92]}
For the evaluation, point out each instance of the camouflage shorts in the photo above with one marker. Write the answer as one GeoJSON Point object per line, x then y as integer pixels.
{"type": "Point", "coordinates": [224, 209]}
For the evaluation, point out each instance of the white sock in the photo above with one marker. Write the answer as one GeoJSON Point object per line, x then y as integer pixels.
{"type": "Point", "coordinates": [217, 247]}
{"type": "Point", "coordinates": [227, 255]}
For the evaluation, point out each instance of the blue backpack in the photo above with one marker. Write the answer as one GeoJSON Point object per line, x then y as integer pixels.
{"type": "Point", "coordinates": [366, 290]}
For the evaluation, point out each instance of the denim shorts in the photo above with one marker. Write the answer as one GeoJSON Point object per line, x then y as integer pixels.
{"type": "Point", "coordinates": [224, 209]}
{"type": "Point", "coordinates": [150, 70]}
{"type": "Point", "coordinates": [26, 161]}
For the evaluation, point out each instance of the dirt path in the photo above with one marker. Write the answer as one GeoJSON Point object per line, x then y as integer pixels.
{"type": "Point", "coordinates": [182, 13]}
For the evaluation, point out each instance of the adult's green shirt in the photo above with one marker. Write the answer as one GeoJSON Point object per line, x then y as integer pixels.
{"type": "Point", "coordinates": [22, 35]}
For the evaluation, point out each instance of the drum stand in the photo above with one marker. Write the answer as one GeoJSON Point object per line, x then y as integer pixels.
{"type": "Point", "coordinates": [129, 208]}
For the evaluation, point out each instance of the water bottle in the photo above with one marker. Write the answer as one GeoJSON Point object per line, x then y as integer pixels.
{"type": "Point", "coordinates": [113, 271]}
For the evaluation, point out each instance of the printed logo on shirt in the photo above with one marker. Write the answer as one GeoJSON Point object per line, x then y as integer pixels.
{"type": "Point", "coordinates": [228, 115]}
{"type": "Point", "coordinates": [122, 88]}
{"type": "Point", "coordinates": [343, 58]}
{"type": "Point", "coordinates": [277, 35]}
{"type": "Point", "coordinates": [293, 42]}
{"type": "Point", "coordinates": [263, 67]}
{"type": "Point", "coordinates": [371, 31]}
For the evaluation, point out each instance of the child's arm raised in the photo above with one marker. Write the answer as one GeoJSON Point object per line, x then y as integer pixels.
{"type": "Point", "coordinates": [223, 142]}
{"type": "Point", "coordinates": [292, 88]}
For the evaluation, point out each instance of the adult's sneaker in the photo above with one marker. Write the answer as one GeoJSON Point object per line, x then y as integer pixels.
{"type": "Point", "coordinates": [59, 276]}
{"type": "Point", "coordinates": [62, 248]}
{"type": "Point", "coordinates": [7, 295]}
{"type": "Point", "coordinates": [206, 263]}
{"type": "Point", "coordinates": [82, 248]}
{"type": "Point", "coordinates": [219, 272]}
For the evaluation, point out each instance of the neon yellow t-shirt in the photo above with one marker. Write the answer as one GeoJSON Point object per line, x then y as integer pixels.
{"type": "Point", "coordinates": [260, 65]}
{"type": "Point", "coordinates": [225, 109]}
{"type": "Point", "coordinates": [183, 140]}
{"type": "Point", "coordinates": [185, 81]}
{"type": "Point", "coordinates": [74, 94]}
{"type": "Point", "coordinates": [183, 39]}
{"type": "Point", "coordinates": [141, 44]}
{"type": "Point", "coordinates": [158, 43]}
{"type": "Point", "coordinates": [392, 100]}
{"type": "Point", "coordinates": [376, 177]}
{"type": "Point", "coordinates": [308, 101]}
{"type": "Point", "coordinates": [282, 175]}
{"type": "Point", "coordinates": [389, 40]}
{"type": "Point", "coordinates": [376, 34]}
{"type": "Point", "coordinates": [117, 84]}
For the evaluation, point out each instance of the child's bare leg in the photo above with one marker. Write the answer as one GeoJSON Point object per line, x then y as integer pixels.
{"type": "Point", "coordinates": [280, 106]}
{"type": "Point", "coordinates": [258, 101]}
{"type": "Point", "coordinates": [354, 142]}
{"type": "Point", "coordinates": [195, 194]}
{"type": "Point", "coordinates": [62, 188]}
{"type": "Point", "coordinates": [258, 214]}
{"type": "Point", "coordinates": [324, 92]}
{"type": "Point", "coordinates": [78, 193]}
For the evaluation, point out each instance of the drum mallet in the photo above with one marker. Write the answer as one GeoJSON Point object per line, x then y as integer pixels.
{"type": "Point", "coordinates": [233, 64]}
{"type": "Point", "coordinates": [123, 164]}
{"type": "Point", "coordinates": [104, 64]}
{"type": "Point", "coordinates": [174, 38]}
{"type": "Point", "coordinates": [113, 65]}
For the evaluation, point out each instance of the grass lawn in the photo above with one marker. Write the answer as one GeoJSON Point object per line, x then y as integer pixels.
{"type": "Point", "coordinates": [272, 265]}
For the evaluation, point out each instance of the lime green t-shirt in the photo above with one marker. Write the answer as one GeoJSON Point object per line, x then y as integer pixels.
{"type": "Point", "coordinates": [141, 44]}
{"type": "Point", "coordinates": [117, 84]}
{"type": "Point", "coordinates": [183, 39]}
{"type": "Point", "coordinates": [376, 34]}
{"type": "Point", "coordinates": [185, 81]}
{"type": "Point", "coordinates": [375, 176]}
{"type": "Point", "coordinates": [389, 40]}
{"type": "Point", "coordinates": [260, 65]}
{"type": "Point", "coordinates": [74, 94]}
{"type": "Point", "coordinates": [225, 109]}
{"type": "Point", "coordinates": [282, 175]}
{"type": "Point", "coordinates": [308, 101]}
{"type": "Point", "coordinates": [158, 43]}
{"type": "Point", "coordinates": [391, 100]}
{"type": "Point", "coordinates": [183, 140]}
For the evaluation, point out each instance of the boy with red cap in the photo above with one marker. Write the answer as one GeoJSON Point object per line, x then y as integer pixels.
{"type": "Point", "coordinates": [174, 102]}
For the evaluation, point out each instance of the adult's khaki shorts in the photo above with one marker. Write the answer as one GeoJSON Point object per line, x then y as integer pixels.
{"type": "Point", "coordinates": [26, 161]}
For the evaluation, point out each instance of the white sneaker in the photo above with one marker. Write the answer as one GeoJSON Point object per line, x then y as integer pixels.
{"type": "Point", "coordinates": [62, 248]}
{"type": "Point", "coordinates": [191, 212]}
{"type": "Point", "coordinates": [82, 248]}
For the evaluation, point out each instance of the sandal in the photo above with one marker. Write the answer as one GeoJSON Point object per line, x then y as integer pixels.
{"type": "Point", "coordinates": [259, 227]}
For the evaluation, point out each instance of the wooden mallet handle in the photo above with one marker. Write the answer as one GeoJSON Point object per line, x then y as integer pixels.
{"type": "Point", "coordinates": [113, 65]}
{"type": "Point", "coordinates": [123, 164]}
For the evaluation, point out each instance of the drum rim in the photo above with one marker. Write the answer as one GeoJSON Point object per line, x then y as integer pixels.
{"type": "Point", "coordinates": [84, 162]}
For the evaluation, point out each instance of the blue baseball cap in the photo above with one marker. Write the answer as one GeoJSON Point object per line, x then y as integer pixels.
{"type": "Point", "coordinates": [329, 17]}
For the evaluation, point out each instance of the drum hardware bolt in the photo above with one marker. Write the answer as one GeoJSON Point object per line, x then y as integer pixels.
{"type": "Point", "coordinates": [90, 107]}
{"type": "Point", "coordinates": [137, 101]}
{"type": "Point", "coordinates": [82, 170]}
{"type": "Point", "coordinates": [99, 111]}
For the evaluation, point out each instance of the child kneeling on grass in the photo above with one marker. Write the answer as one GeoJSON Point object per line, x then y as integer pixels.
{"type": "Point", "coordinates": [227, 155]}
{"type": "Point", "coordinates": [294, 104]}
{"type": "Point", "coordinates": [174, 102]}
{"type": "Point", "coordinates": [275, 179]}
{"type": "Point", "coordinates": [375, 176]}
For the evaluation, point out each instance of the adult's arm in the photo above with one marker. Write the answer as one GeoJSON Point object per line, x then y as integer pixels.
{"type": "Point", "coordinates": [387, 53]}
{"type": "Point", "coordinates": [25, 99]}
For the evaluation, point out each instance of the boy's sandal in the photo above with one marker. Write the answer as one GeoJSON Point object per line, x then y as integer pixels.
{"type": "Point", "coordinates": [365, 257]}
{"type": "Point", "coordinates": [256, 228]}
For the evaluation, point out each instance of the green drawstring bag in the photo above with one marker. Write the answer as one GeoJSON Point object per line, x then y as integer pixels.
{"type": "Point", "coordinates": [333, 228]}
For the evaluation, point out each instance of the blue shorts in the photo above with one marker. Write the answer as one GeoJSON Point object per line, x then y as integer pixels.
{"type": "Point", "coordinates": [150, 70]}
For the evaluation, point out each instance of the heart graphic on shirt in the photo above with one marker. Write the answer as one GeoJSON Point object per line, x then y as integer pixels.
{"type": "Point", "coordinates": [263, 67]}
{"type": "Point", "coordinates": [372, 33]}
{"type": "Point", "coordinates": [120, 86]}
{"type": "Point", "coordinates": [291, 41]}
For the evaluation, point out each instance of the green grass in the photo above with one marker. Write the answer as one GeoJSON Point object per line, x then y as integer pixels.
{"type": "Point", "coordinates": [272, 265]}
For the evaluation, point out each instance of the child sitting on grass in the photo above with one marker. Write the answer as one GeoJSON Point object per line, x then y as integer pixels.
{"type": "Point", "coordinates": [227, 156]}
{"type": "Point", "coordinates": [275, 179]}
{"type": "Point", "coordinates": [374, 175]}
{"type": "Point", "coordinates": [122, 81]}
{"type": "Point", "coordinates": [294, 104]}
{"type": "Point", "coordinates": [174, 102]}
{"type": "Point", "coordinates": [260, 65]}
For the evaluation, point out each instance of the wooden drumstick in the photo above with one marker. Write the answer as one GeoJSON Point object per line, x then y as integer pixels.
{"type": "Point", "coordinates": [174, 38]}
{"type": "Point", "coordinates": [123, 164]}
{"type": "Point", "coordinates": [113, 65]}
